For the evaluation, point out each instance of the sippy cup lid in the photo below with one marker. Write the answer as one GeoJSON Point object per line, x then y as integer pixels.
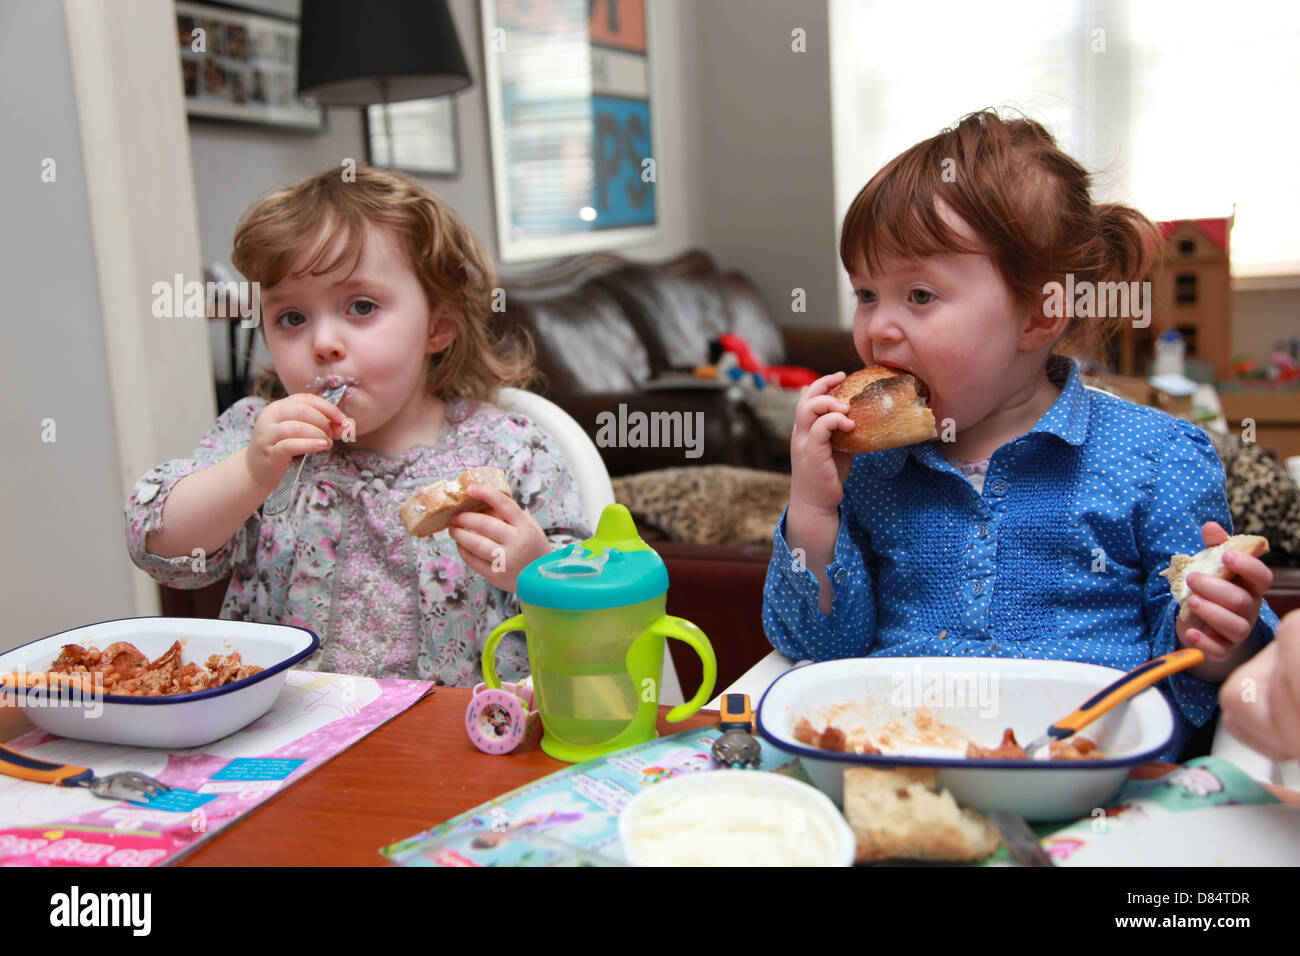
{"type": "Point", "coordinates": [612, 568]}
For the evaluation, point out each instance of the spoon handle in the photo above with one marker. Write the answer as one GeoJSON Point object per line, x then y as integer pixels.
{"type": "Point", "coordinates": [1134, 682]}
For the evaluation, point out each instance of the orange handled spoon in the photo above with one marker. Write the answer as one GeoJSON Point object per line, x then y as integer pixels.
{"type": "Point", "coordinates": [127, 785]}
{"type": "Point", "coordinates": [1131, 684]}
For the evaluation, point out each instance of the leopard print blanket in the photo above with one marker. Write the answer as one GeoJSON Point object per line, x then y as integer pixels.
{"type": "Point", "coordinates": [1262, 497]}
{"type": "Point", "coordinates": [722, 504]}
{"type": "Point", "coordinates": [707, 504]}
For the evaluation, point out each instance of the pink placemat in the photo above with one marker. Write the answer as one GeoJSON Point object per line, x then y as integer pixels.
{"type": "Point", "coordinates": [316, 717]}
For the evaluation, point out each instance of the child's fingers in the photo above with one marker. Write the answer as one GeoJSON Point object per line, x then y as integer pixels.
{"type": "Point", "coordinates": [502, 505]}
{"type": "Point", "coordinates": [1255, 576]}
{"type": "Point", "coordinates": [1212, 590]}
{"type": "Point", "coordinates": [306, 407]}
{"type": "Point", "coordinates": [489, 526]}
{"type": "Point", "coordinates": [1214, 648]}
{"type": "Point", "coordinates": [823, 385]}
{"type": "Point", "coordinates": [832, 422]}
{"type": "Point", "coordinates": [473, 544]}
{"type": "Point", "coordinates": [291, 448]}
{"type": "Point", "coordinates": [1212, 533]}
{"type": "Point", "coordinates": [1222, 622]}
{"type": "Point", "coordinates": [810, 412]}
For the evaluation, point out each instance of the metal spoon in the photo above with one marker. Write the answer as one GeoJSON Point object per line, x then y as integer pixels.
{"type": "Point", "coordinates": [279, 499]}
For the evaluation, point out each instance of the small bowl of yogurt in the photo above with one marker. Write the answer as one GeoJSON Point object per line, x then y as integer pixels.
{"type": "Point", "coordinates": [734, 818]}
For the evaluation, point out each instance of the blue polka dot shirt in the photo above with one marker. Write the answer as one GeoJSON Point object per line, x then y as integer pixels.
{"type": "Point", "coordinates": [1059, 557]}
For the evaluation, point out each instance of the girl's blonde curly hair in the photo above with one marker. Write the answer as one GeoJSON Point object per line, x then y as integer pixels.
{"type": "Point", "coordinates": [453, 267]}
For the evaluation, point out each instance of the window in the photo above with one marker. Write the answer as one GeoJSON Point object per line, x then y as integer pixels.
{"type": "Point", "coordinates": [1183, 108]}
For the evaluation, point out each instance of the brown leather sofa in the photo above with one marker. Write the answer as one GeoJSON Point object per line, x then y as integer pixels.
{"type": "Point", "coordinates": [604, 327]}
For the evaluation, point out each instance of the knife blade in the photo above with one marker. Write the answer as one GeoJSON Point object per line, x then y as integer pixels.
{"type": "Point", "coordinates": [1019, 839]}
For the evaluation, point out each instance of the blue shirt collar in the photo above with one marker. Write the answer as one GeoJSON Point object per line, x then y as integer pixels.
{"type": "Point", "coordinates": [1067, 419]}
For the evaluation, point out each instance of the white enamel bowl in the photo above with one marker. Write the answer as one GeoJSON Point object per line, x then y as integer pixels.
{"type": "Point", "coordinates": [175, 722]}
{"type": "Point", "coordinates": [980, 698]}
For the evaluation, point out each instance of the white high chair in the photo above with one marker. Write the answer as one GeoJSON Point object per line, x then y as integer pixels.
{"type": "Point", "coordinates": [594, 488]}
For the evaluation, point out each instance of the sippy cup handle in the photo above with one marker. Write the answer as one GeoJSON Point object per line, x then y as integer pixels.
{"type": "Point", "coordinates": [684, 630]}
{"type": "Point", "coordinates": [516, 623]}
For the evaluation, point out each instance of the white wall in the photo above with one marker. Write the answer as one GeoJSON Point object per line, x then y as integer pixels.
{"type": "Point", "coordinates": [765, 139]}
{"type": "Point", "coordinates": [62, 517]}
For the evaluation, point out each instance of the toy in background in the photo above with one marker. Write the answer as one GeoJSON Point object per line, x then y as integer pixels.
{"type": "Point", "coordinates": [732, 357]}
{"type": "Point", "coordinates": [1284, 364]}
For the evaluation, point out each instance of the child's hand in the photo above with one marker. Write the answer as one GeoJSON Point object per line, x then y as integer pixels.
{"type": "Point", "coordinates": [298, 425]}
{"type": "Point", "coordinates": [1223, 611]}
{"type": "Point", "coordinates": [1261, 699]}
{"type": "Point", "coordinates": [817, 470]}
{"type": "Point", "coordinates": [501, 544]}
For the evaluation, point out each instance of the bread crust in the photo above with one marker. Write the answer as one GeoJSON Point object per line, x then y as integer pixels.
{"type": "Point", "coordinates": [1180, 565]}
{"type": "Point", "coordinates": [431, 508]}
{"type": "Point", "coordinates": [885, 409]}
{"type": "Point", "coordinates": [900, 813]}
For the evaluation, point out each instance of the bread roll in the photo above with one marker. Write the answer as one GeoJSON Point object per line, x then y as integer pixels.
{"type": "Point", "coordinates": [429, 510]}
{"type": "Point", "coordinates": [900, 813]}
{"type": "Point", "coordinates": [885, 409]}
{"type": "Point", "coordinates": [1209, 561]}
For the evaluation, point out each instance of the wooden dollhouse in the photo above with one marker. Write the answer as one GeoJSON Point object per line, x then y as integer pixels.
{"type": "Point", "coordinates": [1192, 294]}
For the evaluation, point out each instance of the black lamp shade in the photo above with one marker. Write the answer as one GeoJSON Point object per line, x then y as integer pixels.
{"type": "Point", "coordinates": [347, 47]}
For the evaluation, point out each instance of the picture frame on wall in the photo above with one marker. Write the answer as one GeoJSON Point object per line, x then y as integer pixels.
{"type": "Point", "coordinates": [569, 111]}
{"type": "Point", "coordinates": [242, 67]}
{"type": "Point", "coordinates": [424, 137]}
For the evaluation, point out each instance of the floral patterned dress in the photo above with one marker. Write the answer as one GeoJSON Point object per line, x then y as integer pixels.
{"type": "Point", "coordinates": [339, 560]}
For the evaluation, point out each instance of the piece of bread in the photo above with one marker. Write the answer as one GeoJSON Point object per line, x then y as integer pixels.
{"type": "Point", "coordinates": [1209, 561]}
{"type": "Point", "coordinates": [429, 510]}
{"type": "Point", "coordinates": [885, 409]}
{"type": "Point", "coordinates": [900, 813]}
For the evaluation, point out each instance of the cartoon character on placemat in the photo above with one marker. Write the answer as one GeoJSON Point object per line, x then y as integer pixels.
{"type": "Point", "coordinates": [1194, 781]}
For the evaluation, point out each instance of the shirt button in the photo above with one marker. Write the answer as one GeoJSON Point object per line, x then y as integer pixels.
{"type": "Point", "coordinates": [984, 531]}
{"type": "Point", "coordinates": [999, 487]}
{"type": "Point", "coordinates": [147, 493]}
{"type": "Point", "coordinates": [979, 587]}
{"type": "Point", "coordinates": [841, 576]}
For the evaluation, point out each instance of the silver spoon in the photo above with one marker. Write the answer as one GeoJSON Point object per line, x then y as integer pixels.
{"type": "Point", "coordinates": [279, 499]}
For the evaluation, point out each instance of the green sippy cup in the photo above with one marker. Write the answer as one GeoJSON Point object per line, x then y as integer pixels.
{"type": "Point", "coordinates": [593, 616]}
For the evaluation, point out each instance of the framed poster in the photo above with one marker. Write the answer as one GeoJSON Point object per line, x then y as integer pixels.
{"type": "Point", "coordinates": [242, 66]}
{"type": "Point", "coordinates": [424, 137]}
{"type": "Point", "coordinates": [568, 89]}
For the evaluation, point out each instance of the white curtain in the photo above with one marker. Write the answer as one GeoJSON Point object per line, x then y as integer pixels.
{"type": "Point", "coordinates": [1184, 108]}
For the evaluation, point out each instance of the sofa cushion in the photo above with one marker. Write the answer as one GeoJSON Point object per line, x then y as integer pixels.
{"type": "Point", "coordinates": [584, 341]}
{"type": "Point", "coordinates": [677, 316]}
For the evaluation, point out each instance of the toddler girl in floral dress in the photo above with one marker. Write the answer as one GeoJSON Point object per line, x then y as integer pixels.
{"type": "Point", "coordinates": [378, 284]}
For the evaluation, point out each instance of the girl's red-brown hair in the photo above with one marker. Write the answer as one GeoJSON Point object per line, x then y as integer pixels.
{"type": "Point", "coordinates": [1028, 203]}
{"type": "Point", "coordinates": [449, 260]}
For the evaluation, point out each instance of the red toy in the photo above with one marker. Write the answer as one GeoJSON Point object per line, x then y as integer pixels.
{"type": "Point", "coordinates": [786, 376]}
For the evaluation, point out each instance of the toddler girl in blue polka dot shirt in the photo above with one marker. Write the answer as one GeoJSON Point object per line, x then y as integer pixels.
{"type": "Point", "coordinates": [1039, 521]}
